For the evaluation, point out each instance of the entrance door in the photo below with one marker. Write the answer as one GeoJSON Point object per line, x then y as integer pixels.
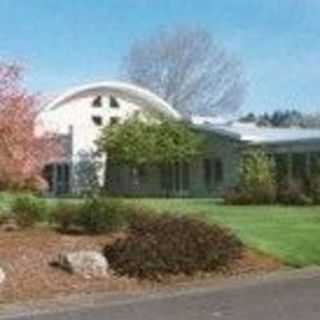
{"type": "Point", "coordinates": [58, 177]}
{"type": "Point", "coordinates": [175, 179]}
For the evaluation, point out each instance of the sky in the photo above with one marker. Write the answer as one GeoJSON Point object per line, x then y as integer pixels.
{"type": "Point", "coordinates": [63, 43]}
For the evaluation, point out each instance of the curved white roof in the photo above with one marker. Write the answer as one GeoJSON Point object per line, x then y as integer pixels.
{"type": "Point", "coordinates": [132, 93]}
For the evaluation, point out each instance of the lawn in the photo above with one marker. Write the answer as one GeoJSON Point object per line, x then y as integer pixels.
{"type": "Point", "coordinates": [291, 234]}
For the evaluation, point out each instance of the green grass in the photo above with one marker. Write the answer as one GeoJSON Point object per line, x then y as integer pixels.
{"type": "Point", "coordinates": [291, 234]}
{"type": "Point", "coordinates": [6, 200]}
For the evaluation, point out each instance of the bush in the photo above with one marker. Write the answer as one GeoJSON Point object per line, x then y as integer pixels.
{"type": "Point", "coordinates": [65, 215]}
{"type": "Point", "coordinates": [167, 245]}
{"type": "Point", "coordinates": [257, 177]}
{"type": "Point", "coordinates": [4, 217]}
{"type": "Point", "coordinates": [95, 215]}
{"type": "Point", "coordinates": [102, 215]}
{"type": "Point", "coordinates": [293, 193]}
{"type": "Point", "coordinates": [28, 210]}
{"type": "Point", "coordinates": [315, 190]}
{"type": "Point", "coordinates": [237, 197]}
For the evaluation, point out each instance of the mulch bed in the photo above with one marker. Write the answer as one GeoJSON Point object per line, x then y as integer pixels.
{"type": "Point", "coordinates": [25, 256]}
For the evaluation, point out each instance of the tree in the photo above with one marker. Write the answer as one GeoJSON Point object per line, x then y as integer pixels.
{"type": "Point", "coordinates": [175, 142]}
{"type": "Point", "coordinates": [23, 153]}
{"type": "Point", "coordinates": [136, 143]}
{"type": "Point", "coordinates": [278, 119]}
{"type": "Point", "coordinates": [257, 177]}
{"type": "Point", "coordinates": [311, 120]}
{"type": "Point", "coordinates": [86, 172]}
{"type": "Point", "coordinates": [249, 118]}
{"type": "Point", "coordinates": [187, 69]}
{"type": "Point", "coordinates": [129, 143]}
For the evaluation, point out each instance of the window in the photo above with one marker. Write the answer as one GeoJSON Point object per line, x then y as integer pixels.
{"type": "Point", "coordinates": [218, 171]}
{"type": "Point", "coordinates": [114, 102]}
{"type": "Point", "coordinates": [175, 177]}
{"type": "Point", "coordinates": [163, 177]}
{"type": "Point", "coordinates": [142, 172]}
{"type": "Point", "coordinates": [299, 165]}
{"type": "Point", "coordinates": [59, 172]}
{"type": "Point", "coordinates": [176, 173]}
{"type": "Point", "coordinates": [185, 176]}
{"type": "Point", "coordinates": [48, 175]}
{"type": "Point", "coordinates": [58, 176]}
{"type": "Point", "coordinates": [166, 176]}
{"type": "Point", "coordinates": [207, 173]}
{"type": "Point", "coordinates": [97, 120]}
{"type": "Point", "coordinates": [315, 162]}
{"type": "Point", "coordinates": [97, 102]}
{"type": "Point", "coordinates": [281, 161]}
{"type": "Point", "coordinates": [114, 120]}
{"type": "Point", "coordinates": [67, 177]}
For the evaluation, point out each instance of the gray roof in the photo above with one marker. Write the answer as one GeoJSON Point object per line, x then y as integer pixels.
{"type": "Point", "coordinates": [259, 135]}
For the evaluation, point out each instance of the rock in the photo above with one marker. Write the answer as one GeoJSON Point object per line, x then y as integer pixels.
{"type": "Point", "coordinates": [2, 276]}
{"type": "Point", "coordinates": [89, 264]}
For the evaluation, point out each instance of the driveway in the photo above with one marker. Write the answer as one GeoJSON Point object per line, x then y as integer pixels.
{"type": "Point", "coordinates": [293, 297]}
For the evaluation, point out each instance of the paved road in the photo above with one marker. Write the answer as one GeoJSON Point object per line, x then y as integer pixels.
{"type": "Point", "coordinates": [295, 299]}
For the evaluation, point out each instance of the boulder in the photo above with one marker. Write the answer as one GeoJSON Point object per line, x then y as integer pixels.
{"type": "Point", "coordinates": [88, 264]}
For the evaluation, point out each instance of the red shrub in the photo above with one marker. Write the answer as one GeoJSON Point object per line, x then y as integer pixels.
{"type": "Point", "coordinates": [163, 245]}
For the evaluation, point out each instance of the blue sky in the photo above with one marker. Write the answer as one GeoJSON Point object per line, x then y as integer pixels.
{"type": "Point", "coordinates": [64, 42]}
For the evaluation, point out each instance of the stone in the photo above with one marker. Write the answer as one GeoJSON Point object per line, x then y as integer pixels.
{"type": "Point", "coordinates": [88, 264]}
{"type": "Point", "coordinates": [2, 276]}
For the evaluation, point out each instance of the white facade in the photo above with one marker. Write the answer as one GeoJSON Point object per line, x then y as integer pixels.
{"type": "Point", "coordinates": [83, 111]}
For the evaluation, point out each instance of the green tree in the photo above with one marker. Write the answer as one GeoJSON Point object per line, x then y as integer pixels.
{"type": "Point", "coordinates": [157, 142]}
{"type": "Point", "coordinates": [257, 177]}
{"type": "Point", "coordinates": [174, 142]}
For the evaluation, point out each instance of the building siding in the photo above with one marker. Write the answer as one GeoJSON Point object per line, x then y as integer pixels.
{"type": "Point", "coordinates": [121, 180]}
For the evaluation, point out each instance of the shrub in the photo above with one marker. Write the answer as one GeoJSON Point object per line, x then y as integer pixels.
{"type": "Point", "coordinates": [95, 215]}
{"type": "Point", "coordinates": [237, 197]}
{"type": "Point", "coordinates": [293, 193]}
{"type": "Point", "coordinates": [28, 210]}
{"type": "Point", "coordinates": [257, 177]}
{"type": "Point", "coordinates": [157, 246]}
{"type": "Point", "coordinates": [102, 215]}
{"type": "Point", "coordinates": [65, 215]}
{"type": "Point", "coordinates": [4, 217]}
{"type": "Point", "coordinates": [315, 190]}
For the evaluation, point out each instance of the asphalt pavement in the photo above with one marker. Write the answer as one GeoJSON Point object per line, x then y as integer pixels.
{"type": "Point", "coordinates": [281, 298]}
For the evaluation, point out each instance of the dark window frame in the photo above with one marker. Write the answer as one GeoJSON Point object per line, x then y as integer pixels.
{"type": "Point", "coordinates": [314, 162]}
{"type": "Point", "coordinates": [175, 177]}
{"type": "Point", "coordinates": [166, 178]}
{"type": "Point", "coordinates": [207, 172]}
{"type": "Point", "coordinates": [218, 171]}
{"type": "Point", "coordinates": [299, 165]}
{"type": "Point", "coordinates": [97, 102]}
{"type": "Point", "coordinates": [185, 176]}
{"type": "Point", "coordinates": [97, 120]}
{"type": "Point", "coordinates": [114, 102]}
{"type": "Point", "coordinates": [114, 120]}
{"type": "Point", "coordinates": [281, 161]}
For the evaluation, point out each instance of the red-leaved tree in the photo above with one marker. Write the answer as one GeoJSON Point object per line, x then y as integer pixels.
{"type": "Point", "coordinates": [23, 152]}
